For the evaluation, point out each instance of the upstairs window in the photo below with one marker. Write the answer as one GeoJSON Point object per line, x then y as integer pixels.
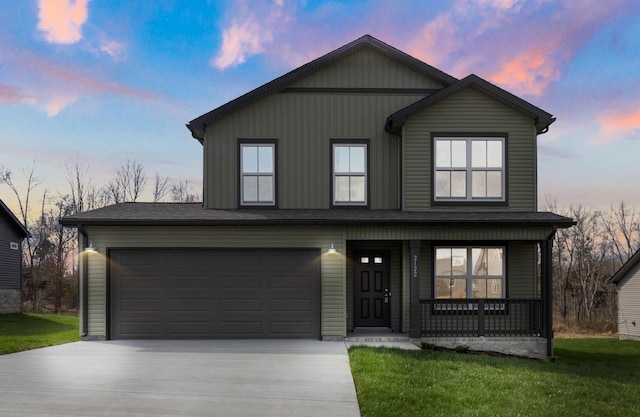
{"type": "Point", "coordinates": [469, 169]}
{"type": "Point", "coordinates": [350, 174]}
{"type": "Point", "coordinates": [257, 174]}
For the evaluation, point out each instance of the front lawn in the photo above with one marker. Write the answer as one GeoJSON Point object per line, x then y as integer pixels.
{"type": "Point", "coordinates": [20, 332]}
{"type": "Point", "coordinates": [590, 377]}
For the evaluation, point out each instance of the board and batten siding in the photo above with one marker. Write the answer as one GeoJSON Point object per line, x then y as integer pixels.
{"type": "Point", "coordinates": [332, 266]}
{"type": "Point", "coordinates": [470, 111]}
{"type": "Point", "coordinates": [303, 122]}
{"type": "Point", "coordinates": [629, 305]}
{"type": "Point", "coordinates": [303, 126]}
{"type": "Point", "coordinates": [366, 68]}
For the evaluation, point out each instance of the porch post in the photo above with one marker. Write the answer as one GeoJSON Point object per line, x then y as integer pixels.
{"type": "Point", "coordinates": [546, 250]}
{"type": "Point", "coordinates": [414, 289]}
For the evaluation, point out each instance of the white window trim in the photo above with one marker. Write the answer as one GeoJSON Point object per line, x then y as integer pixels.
{"type": "Point", "coordinates": [244, 174]}
{"type": "Point", "coordinates": [364, 174]}
{"type": "Point", "coordinates": [468, 169]}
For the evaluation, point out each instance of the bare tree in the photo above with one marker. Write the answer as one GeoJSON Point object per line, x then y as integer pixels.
{"type": "Point", "coordinates": [622, 229]}
{"type": "Point", "coordinates": [181, 193]}
{"type": "Point", "coordinates": [160, 188]}
{"type": "Point", "coordinates": [128, 184]}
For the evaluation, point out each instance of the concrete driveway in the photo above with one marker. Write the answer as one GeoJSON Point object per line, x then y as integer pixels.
{"type": "Point", "coordinates": [180, 378]}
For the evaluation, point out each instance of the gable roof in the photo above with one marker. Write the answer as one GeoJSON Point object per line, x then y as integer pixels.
{"type": "Point", "coordinates": [193, 214]}
{"type": "Point", "coordinates": [197, 125]}
{"type": "Point", "coordinates": [13, 220]}
{"type": "Point", "coordinates": [624, 269]}
{"type": "Point", "coordinates": [542, 118]}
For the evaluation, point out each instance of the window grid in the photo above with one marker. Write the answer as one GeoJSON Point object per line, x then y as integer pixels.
{"type": "Point", "coordinates": [257, 180]}
{"type": "Point", "coordinates": [469, 272]}
{"type": "Point", "coordinates": [350, 174]}
{"type": "Point", "coordinates": [469, 169]}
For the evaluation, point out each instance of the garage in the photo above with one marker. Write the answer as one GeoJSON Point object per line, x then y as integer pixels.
{"type": "Point", "coordinates": [214, 293]}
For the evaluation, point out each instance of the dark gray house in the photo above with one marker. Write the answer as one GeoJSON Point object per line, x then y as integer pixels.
{"type": "Point", "coordinates": [363, 190]}
{"type": "Point", "coordinates": [627, 281]}
{"type": "Point", "coordinates": [12, 232]}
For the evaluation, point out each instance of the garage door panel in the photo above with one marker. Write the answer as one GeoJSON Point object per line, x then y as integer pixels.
{"type": "Point", "coordinates": [211, 293]}
{"type": "Point", "coordinates": [241, 304]}
{"type": "Point", "coordinates": [191, 305]}
{"type": "Point", "coordinates": [290, 305]}
{"type": "Point", "coordinates": [230, 329]}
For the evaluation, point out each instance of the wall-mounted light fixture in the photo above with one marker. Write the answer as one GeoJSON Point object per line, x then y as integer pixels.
{"type": "Point", "coordinates": [90, 248]}
{"type": "Point", "coordinates": [332, 249]}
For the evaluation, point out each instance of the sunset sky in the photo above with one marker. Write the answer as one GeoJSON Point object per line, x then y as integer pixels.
{"type": "Point", "coordinates": [102, 81]}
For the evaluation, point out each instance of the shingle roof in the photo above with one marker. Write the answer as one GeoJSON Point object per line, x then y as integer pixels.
{"type": "Point", "coordinates": [624, 269]}
{"type": "Point", "coordinates": [197, 125]}
{"type": "Point", "coordinates": [17, 224]}
{"type": "Point", "coordinates": [193, 214]}
{"type": "Point", "coordinates": [541, 117]}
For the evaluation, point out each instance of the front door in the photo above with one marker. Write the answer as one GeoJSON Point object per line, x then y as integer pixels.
{"type": "Point", "coordinates": [371, 290]}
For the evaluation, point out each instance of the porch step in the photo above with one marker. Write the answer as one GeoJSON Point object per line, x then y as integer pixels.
{"type": "Point", "coordinates": [380, 339]}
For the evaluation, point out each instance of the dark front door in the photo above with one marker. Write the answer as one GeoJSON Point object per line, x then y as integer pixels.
{"type": "Point", "coordinates": [371, 290]}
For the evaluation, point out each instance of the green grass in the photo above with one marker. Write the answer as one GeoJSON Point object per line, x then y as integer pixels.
{"type": "Point", "coordinates": [589, 377]}
{"type": "Point", "coordinates": [20, 332]}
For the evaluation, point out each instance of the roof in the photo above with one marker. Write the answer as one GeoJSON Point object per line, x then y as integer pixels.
{"type": "Point", "coordinates": [197, 125]}
{"type": "Point", "coordinates": [542, 118]}
{"type": "Point", "coordinates": [193, 214]}
{"type": "Point", "coordinates": [13, 220]}
{"type": "Point", "coordinates": [624, 269]}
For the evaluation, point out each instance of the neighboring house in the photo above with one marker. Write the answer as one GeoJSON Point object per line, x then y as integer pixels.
{"type": "Point", "coordinates": [627, 280]}
{"type": "Point", "coordinates": [332, 196]}
{"type": "Point", "coordinates": [12, 231]}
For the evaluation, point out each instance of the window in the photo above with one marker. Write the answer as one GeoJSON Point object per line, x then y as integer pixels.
{"type": "Point", "coordinates": [349, 174]}
{"type": "Point", "coordinates": [469, 169]}
{"type": "Point", "coordinates": [257, 172]}
{"type": "Point", "coordinates": [469, 272]}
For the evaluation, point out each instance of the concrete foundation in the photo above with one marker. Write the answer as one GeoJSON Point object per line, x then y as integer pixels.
{"type": "Point", "coordinates": [528, 347]}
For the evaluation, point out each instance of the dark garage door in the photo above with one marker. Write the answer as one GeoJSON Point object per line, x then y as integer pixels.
{"type": "Point", "coordinates": [215, 293]}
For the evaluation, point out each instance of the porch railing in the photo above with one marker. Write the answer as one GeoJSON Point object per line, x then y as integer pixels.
{"type": "Point", "coordinates": [481, 317]}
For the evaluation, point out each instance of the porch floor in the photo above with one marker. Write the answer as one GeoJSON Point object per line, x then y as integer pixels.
{"type": "Point", "coordinates": [379, 337]}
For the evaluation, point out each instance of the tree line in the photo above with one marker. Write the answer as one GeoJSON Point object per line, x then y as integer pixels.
{"type": "Point", "coordinates": [585, 257]}
{"type": "Point", "coordinates": [50, 254]}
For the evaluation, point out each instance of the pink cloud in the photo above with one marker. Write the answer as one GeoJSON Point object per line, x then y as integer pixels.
{"type": "Point", "coordinates": [54, 86]}
{"type": "Point", "coordinates": [253, 27]}
{"type": "Point", "coordinates": [62, 20]}
{"type": "Point", "coordinates": [435, 36]}
{"type": "Point", "coordinates": [619, 125]}
{"type": "Point", "coordinates": [9, 94]}
{"type": "Point", "coordinates": [523, 46]}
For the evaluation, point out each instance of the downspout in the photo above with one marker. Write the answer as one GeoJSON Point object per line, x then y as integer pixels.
{"type": "Point", "coordinates": [85, 281]}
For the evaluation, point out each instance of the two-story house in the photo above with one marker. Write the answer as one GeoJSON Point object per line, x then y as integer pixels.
{"type": "Point", "coordinates": [365, 189]}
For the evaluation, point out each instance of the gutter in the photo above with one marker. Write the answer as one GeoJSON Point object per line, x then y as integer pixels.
{"type": "Point", "coordinates": [85, 281]}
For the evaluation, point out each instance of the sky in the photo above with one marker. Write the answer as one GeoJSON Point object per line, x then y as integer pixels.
{"type": "Point", "coordinates": [101, 81]}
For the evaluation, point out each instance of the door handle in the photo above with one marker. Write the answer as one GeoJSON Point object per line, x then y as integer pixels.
{"type": "Point", "coordinates": [387, 294]}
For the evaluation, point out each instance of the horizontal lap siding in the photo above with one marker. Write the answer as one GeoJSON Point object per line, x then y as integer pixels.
{"type": "Point", "coordinates": [10, 259]}
{"type": "Point", "coordinates": [629, 305]}
{"type": "Point", "coordinates": [470, 111]}
{"type": "Point", "coordinates": [447, 233]}
{"type": "Point", "coordinates": [522, 270]}
{"type": "Point", "coordinates": [332, 265]}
